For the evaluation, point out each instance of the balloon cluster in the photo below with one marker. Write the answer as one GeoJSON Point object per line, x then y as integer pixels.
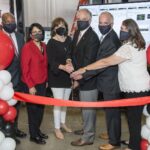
{"type": "Point", "coordinates": [7, 112]}
{"type": "Point", "coordinates": [145, 131]}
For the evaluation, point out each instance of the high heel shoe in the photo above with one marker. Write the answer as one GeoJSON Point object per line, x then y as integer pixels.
{"type": "Point", "coordinates": [65, 128]}
{"type": "Point", "coordinates": [59, 134]}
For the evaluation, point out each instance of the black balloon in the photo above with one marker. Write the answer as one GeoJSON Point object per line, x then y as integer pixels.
{"type": "Point", "coordinates": [2, 122]}
{"type": "Point", "coordinates": [9, 130]}
{"type": "Point", "coordinates": [148, 108]}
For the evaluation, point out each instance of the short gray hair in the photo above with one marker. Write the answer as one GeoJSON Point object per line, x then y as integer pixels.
{"type": "Point", "coordinates": [87, 11]}
{"type": "Point", "coordinates": [109, 15]}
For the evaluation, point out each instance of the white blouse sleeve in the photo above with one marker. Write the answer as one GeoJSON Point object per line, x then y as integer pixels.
{"type": "Point", "coordinates": [124, 52]}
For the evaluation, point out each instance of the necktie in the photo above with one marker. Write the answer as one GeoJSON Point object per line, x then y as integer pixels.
{"type": "Point", "coordinates": [16, 52]}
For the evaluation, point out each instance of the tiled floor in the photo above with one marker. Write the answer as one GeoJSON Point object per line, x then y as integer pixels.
{"type": "Point", "coordinates": [74, 121]}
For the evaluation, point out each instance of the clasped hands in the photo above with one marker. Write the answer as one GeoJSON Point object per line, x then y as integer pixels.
{"type": "Point", "coordinates": [78, 74]}
{"type": "Point", "coordinates": [68, 67]}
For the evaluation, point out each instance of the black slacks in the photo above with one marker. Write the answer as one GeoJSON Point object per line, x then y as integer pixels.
{"type": "Point", "coordinates": [113, 119]}
{"type": "Point", "coordinates": [35, 111]}
{"type": "Point", "coordinates": [18, 88]}
{"type": "Point", "coordinates": [134, 117]}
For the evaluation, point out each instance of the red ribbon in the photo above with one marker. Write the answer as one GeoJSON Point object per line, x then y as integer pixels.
{"type": "Point", "coordinates": [59, 102]}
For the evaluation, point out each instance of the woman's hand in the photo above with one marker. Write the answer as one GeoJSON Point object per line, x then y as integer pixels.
{"type": "Point", "coordinates": [75, 84]}
{"type": "Point", "coordinates": [32, 91]}
{"type": "Point", "coordinates": [67, 68]}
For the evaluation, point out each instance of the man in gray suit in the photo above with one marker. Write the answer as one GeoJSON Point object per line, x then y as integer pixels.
{"type": "Point", "coordinates": [9, 26]}
{"type": "Point", "coordinates": [84, 51]}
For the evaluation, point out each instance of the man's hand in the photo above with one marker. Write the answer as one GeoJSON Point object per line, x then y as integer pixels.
{"type": "Point", "coordinates": [77, 75]}
{"type": "Point", "coordinates": [32, 91]}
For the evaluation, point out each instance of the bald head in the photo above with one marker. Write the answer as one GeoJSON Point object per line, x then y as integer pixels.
{"type": "Point", "coordinates": [84, 15]}
{"type": "Point", "coordinates": [106, 18]}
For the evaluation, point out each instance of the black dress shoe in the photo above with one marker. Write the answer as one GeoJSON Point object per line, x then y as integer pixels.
{"type": "Point", "coordinates": [37, 140]}
{"type": "Point", "coordinates": [80, 142]}
{"type": "Point", "coordinates": [42, 135]}
{"type": "Point", "coordinates": [20, 134]}
{"type": "Point", "coordinates": [79, 132]}
{"type": "Point", "coordinates": [17, 141]}
{"type": "Point", "coordinates": [125, 142]}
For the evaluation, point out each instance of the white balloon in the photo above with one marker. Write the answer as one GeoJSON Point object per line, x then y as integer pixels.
{"type": "Point", "coordinates": [148, 139]}
{"type": "Point", "coordinates": [148, 148]}
{"type": "Point", "coordinates": [12, 102]}
{"type": "Point", "coordinates": [10, 84]}
{"type": "Point", "coordinates": [6, 93]}
{"type": "Point", "coordinates": [5, 76]}
{"type": "Point", "coordinates": [1, 85]}
{"type": "Point", "coordinates": [148, 122]}
{"type": "Point", "coordinates": [145, 112]}
{"type": "Point", "coordinates": [8, 144]}
{"type": "Point", "coordinates": [2, 137]}
{"type": "Point", "coordinates": [145, 132]}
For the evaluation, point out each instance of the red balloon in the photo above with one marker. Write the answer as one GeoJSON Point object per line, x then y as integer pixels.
{"type": "Point", "coordinates": [6, 50]}
{"type": "Point", "coordinates": [144, 144]}
{"type": "Point", "coordinates": [11, 114]}
{"type": "Point", "coordinates": [3, 107]}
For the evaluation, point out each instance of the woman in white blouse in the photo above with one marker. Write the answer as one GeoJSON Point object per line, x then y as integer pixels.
{"type": "Point", "coordinates": [133, 77]}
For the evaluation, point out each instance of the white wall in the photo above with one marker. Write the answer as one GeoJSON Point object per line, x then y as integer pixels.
{"type": "Point", "coordinates": [4, 7]}
{"type": "Point", "coordinates": [44, 11]}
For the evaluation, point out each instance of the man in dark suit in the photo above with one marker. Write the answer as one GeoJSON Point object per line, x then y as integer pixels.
{"type": "Point", "coordinates": [84, 51]}
{"type": "Point", "coordinates": [9, 26]}
{"type": "Point", "coordinates": [107, 79]}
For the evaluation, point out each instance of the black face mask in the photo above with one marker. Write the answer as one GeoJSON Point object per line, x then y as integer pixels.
{"type": "Point", "coordinates": [61, 31]}
{"type": "Point", "coordinates": [10, 28]}
{"type": "Point", "coordinates": [124, 35]}
{"type": "Point", "coordinates": [38, 36]}
{"type": "Point", "coordinates": [82, 25]}
{"type": "Point", "coordinates": [104, 29]}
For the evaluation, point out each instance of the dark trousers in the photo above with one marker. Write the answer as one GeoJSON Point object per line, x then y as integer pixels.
{"type": "Point", "coordinates": [134, 117]}
{"type": "Point", "coordinates": [17, 106]}
{"type": "Point", "coordinates": [35, 111]}
{"type": "Point", "coordinates": [113, 119]}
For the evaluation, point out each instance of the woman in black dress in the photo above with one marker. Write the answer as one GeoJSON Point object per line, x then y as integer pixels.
{"type": "Point", "coordinates": [58, 78]}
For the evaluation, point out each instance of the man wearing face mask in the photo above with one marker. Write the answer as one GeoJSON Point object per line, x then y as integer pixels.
{"type": "Point", "coordinates": [107, 79]}
{"type": "Point", "coordinates": [9, 26]}
{"type": "Point", "coordinates": [84, 50]}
